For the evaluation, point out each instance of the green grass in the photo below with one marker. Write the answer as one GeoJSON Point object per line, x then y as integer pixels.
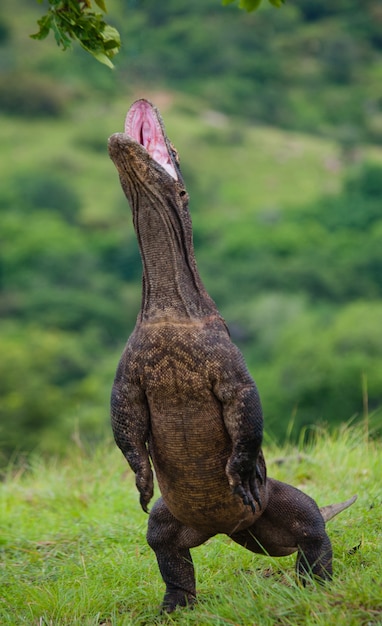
{"type": "Point", "coordinates": [74, 551]}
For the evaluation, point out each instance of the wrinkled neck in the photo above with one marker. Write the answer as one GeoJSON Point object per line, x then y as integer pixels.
{"type": "Point", "coordinates": [171, 285]}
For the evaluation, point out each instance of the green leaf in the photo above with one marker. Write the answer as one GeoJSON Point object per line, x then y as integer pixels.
{"type": "Point", "coordinates": [59, 34]}
{"type": "Point", "coordinates": [73, 20]}
{"type": "Point", "coordinates": [249, 5]}
{"type": "Point", "coordinates": [45, 24]}
{"type": "Point", "coordinates": [252, 5]}
{"type": "Point", "coordinates": [101, 5]}
{"type": "Point", "coordinates": [111, 34]}
{"type": "Point", "coordinates": [111, 45]}
{"type": "Point", "coordinates": [99, 56]}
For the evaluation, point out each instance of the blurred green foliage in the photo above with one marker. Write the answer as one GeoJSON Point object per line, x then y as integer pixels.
{"type": "Point", "coordinates": [252, 5]}
{"type": "Point", "coordinates": [31, 95]}
{"type": "Point", "coordinates": [311, 66]}
{"type": "Point", "coordinates": [287, 227]}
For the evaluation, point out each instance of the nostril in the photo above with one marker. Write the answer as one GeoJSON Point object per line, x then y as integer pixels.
{"type": "Point", "coordinates": [182, 193]}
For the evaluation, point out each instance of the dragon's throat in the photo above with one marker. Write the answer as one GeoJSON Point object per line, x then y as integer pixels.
{"type": "Point", "coordinates": [171, 283]}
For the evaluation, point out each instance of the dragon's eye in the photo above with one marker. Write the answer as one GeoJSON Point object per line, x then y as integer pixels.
{"type": "Point", "coordinates": [174, 154]}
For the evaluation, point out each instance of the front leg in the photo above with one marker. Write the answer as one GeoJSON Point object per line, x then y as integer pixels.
{"type": "Point", "coordinates": [130, 420]}
{"type": "Point", "coordinates": [245, 468]}
{"type": "Point", "coordinates": [243, 419]}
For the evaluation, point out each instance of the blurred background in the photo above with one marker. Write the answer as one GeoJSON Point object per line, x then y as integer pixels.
{"type": "Point", "coordinates": [277, 117]}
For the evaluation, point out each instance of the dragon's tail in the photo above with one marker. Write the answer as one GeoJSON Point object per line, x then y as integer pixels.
{"type": "Point", "coordinates": [331, 510]}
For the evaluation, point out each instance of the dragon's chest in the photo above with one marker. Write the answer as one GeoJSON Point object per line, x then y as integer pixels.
{"type": "Point", "coordinates": [177, 378]}
{"type": "Point", "coordinates": [175, 362]}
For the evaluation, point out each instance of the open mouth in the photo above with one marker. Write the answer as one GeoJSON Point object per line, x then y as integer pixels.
{"type": "Point", "coordinates": [143, 126]}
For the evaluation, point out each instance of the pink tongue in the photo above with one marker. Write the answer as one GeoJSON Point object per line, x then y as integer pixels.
{"type": "Point", "coordinates": [142, 125]}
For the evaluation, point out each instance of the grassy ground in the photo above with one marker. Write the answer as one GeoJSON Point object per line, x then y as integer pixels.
{"type": "Point", "coordinates": [74, 551]}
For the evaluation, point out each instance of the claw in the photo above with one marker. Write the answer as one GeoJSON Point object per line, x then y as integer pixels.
{"type": "Point", "coordinates": [256, 495]}
{"type": "Point", "coordinates": [245, 483]}
{"type": "Point", "coordinates": [252, 505]}
{"type": "Point", "coordinates": [144, 483]}
{"type": "Point", "coordinates": [143, 504]}
{"type": "Point", "coordinates": [258, 500]}
{"type": "Point", "coordinates": [259, 475]}
{"type": "Point", "coordinates": [247, 500]}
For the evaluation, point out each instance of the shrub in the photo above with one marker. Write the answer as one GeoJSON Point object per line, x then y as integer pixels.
{"type": "Point", "coordinates": [32, 95]}
{"type": "Point", "coordinates": [5, 32]}
{"type": "Point", "coordinates": [36, 189]}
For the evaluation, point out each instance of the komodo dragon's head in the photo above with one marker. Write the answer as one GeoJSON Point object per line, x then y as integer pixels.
{"type": "Point", "coordinates": [148, 168]}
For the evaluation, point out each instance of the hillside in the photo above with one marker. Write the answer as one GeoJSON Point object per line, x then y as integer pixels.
{"type": "Point", "coordinates": [74, 551]}
{"type": "Point", "coordinates": [314, 66]}
{"type": "Point", "coordinates": [282, 157]}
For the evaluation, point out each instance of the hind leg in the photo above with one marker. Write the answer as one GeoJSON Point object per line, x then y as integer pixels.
{"type": "Point", "coordinates": [171, 541]}
{"type": "Point", "coordinates": [291, 522]}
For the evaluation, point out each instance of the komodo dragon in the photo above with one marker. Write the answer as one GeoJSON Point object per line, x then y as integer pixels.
{"type": "Point", "coordinates": [183, 396]}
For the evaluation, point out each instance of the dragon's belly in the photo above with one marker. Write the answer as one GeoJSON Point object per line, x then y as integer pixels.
{"type": "Point", "coordinates": [181, 371]}
{"type": "Point", "coordinates": [190, 447]}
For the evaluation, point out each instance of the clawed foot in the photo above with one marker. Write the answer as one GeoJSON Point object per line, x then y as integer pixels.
{"type": "Point", "coordinates": [145, 485]}
{"type": "Point", "coordinates": [245, 484]}
{"type": "Point", "coordinates": [175, 598]}
{"type": "Point", "coordinates": [249, 495]}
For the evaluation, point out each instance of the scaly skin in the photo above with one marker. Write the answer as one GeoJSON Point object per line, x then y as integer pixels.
{"type": "Point", "coordinates": [183, 398]}
{"type": "Point", "coordinates": [188, 384]}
